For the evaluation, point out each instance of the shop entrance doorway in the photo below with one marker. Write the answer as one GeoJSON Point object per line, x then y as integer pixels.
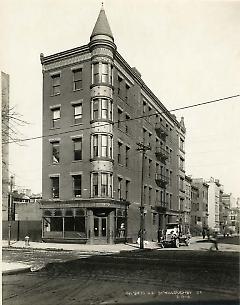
{"type": "Point", "coordinates": [100, 228]}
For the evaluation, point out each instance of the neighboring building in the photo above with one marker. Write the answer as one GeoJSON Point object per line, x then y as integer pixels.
{"type": "Point", "coordinates": [5, 145]}
{"type": "Point", "coordinates": [187, 201]}
{"type": "Point", "coordinates": [214, 200]}
{"type": "Point", "coordinates": [224, 213]}
{"type": "Point", "coordinates": [195, 217]}
{"type": "Point", "coordinates": [200, 212]}
{"type": "Point", "coordinates": [230, 213]}
{"type": "Point", "coordinates": [91, 166]}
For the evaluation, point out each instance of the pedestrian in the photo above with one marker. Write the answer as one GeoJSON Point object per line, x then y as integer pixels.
{"type": "Point", "coordinates": [214, 241]}
{"type": "Point", "coordinates": [208, 234]}
{"type": "Point", "coordinates": [203, 233]}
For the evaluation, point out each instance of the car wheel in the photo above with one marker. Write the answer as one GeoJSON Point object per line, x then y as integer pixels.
{"type": "Point", "coordinates": [187, 242]}
{"type": "Point", "coordinates": [177, 243]}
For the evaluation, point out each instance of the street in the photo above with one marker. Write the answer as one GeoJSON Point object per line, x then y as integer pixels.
{"type": "Point", "coordinates": [139, 277]}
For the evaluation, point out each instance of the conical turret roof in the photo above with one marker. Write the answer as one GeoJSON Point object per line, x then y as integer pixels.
{"type": "Point", "coordinates": [102, 26]}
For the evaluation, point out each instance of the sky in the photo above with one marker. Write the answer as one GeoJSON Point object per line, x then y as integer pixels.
{"type": "Point", "coordinates": [187, 52]}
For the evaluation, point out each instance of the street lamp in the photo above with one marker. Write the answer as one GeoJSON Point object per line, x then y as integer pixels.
{"type": "Point", "coordinates": [143, 148]}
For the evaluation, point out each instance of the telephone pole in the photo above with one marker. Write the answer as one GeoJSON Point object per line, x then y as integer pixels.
{"type": "Point", "coordinates": [142, 148]}
{"type": "Point", "coordinates": [10, 202]}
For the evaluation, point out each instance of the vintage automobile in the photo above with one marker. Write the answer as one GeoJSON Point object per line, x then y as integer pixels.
{"type": "Point", "coordinates": [174, 235]}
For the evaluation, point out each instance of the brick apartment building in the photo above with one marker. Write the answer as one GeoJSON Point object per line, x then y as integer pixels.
{"type": "Point", "coordinates": [199, 211]}
{"type": "Point", "coordinates": [96, 108]}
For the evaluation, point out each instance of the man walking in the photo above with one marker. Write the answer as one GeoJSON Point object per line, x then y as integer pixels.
{"type": "Point", "coordinates": [214, 241]}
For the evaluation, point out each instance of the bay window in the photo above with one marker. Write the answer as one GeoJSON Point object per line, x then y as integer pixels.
{"type": "Point", "coordinates": [101, 184]}
{"type": "Point", "coordinates": [101, 109]}
{"type": "Point", "coordinates": [101, 145]}
{"type": "Point", "coordinates": [102, 73]}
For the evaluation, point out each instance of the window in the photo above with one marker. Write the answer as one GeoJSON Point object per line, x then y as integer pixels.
{"type": "Point", "coordinates": [56, 84]}
{"type": "Point", "coordinates": [104, 185]}
{"type": "Point", "coordinates": [119, 85]}
{"type": "Point", "coordinates": [127, 156]}
{"type": "Point", "coordinates": [144, 108]}
{"type": "Point", "coordinates": [96, 77]}
{"type": "Point", "coordinates": [102, 109]}
{"type": "Point", "coordinates": [144, 136]}
{"type": "Point", "coordinates": [170, 178]}
{"type": "Point", "coordinates": [95, 104]}
{"type": "Point", "coordinates": [95, 184]}
{"type": "Point", "coordinates": [181, 185]}
{"type": "Point", "coordinates": [157, 196]}
{"type": "Point", "coordinates": [77, 113]}
{"type": "Point", "coordinates": [150, 196]}
{"type": "Point", "coordinates": [119, 188]}
{"type": "Point", "coordinates": [119, 153]}
{"type": "Point", "coordinates": [119, 123]}
{"type": "Point", "coordinates": [144, 194]}
{"type": "Point", "coordinates": [77, 185]}
{"type": "Point", "coordinates": [182, 164]}
{"type": "Point", "coordinates": [170, 201]}
{"type": "Point", "coordinates": [127, 189]}
{"type": "Point", "coordinates": [150, 168]}
{"type": "Point", "coordinates": [77, 79]}
{"type": "Point", "coordinates": [55, 152]}
{"type": "Point", "coordinates": [149, 114]}
{"type": "Point", "coordinates": [104, 73]}
{"type": "Point", "coordinates": [127, 123]}
{"type": "Point", "coordinates": [150, 139]}
{"type": "Point", "coordinates": [101, 184]}
{"type": "Point", "coordinates": [127, 92]}
{"type": "Point", "coordinates": [182, 144]}
{"type": "Point", "coordinates": [55, 187]}
{"type": "Point", "coordinates": [101, 146]}
{"type": "Point", "coordinates": [56, 117]}
{"type": "Point", "coordinates": [104, 147]}
{"type": "Point", "coordinates": [77, 149]}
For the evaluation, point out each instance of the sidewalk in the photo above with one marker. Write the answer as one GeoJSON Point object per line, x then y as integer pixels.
{"type": "Point", "coordinates": [13, 268]}
{"type": "Point", "coordinates": [114, 248]}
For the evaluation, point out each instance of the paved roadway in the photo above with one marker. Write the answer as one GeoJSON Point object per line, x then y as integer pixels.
{"type": "Point", "coordinates": [139, 277]}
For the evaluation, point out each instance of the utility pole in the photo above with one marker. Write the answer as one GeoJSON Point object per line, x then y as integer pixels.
{"type": "Point", "coordinates": [10, 202]}
{"type": "Point", "coordinates": [143, 148]}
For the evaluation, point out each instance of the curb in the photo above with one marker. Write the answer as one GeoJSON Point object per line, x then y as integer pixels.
{"type": "Point", "coordinates": [16, 271]}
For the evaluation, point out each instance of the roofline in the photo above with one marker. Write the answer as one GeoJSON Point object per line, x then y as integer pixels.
{"type": "Point", "coordinates": [66, 53]}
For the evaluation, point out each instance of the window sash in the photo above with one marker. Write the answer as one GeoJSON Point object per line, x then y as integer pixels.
{"type": "Point", "coordinates": [77, 185]}
{"type": "Point", "coordinates": [55, 187]}
{"type": "Point", "coordinates": [102, 184]}
{"type": "Point", "coordinates": [77, 149]}
{"type": "Point", "coordinates": [77, 113]}
{"type": "Point", "coordinates": [56, 84]}
{"type": "Point", "coordinates": [55, 152]}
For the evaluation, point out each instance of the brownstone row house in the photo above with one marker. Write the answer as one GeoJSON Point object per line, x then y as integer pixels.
{"type": "Point", "coordinates": [96, 108]}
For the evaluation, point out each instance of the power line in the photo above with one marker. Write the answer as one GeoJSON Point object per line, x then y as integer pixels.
{"type": "Point", "coordinates": [127, 120]}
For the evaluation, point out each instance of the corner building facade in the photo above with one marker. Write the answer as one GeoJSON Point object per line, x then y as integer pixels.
{"type": "Point", "coordinates": [96, 108]}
